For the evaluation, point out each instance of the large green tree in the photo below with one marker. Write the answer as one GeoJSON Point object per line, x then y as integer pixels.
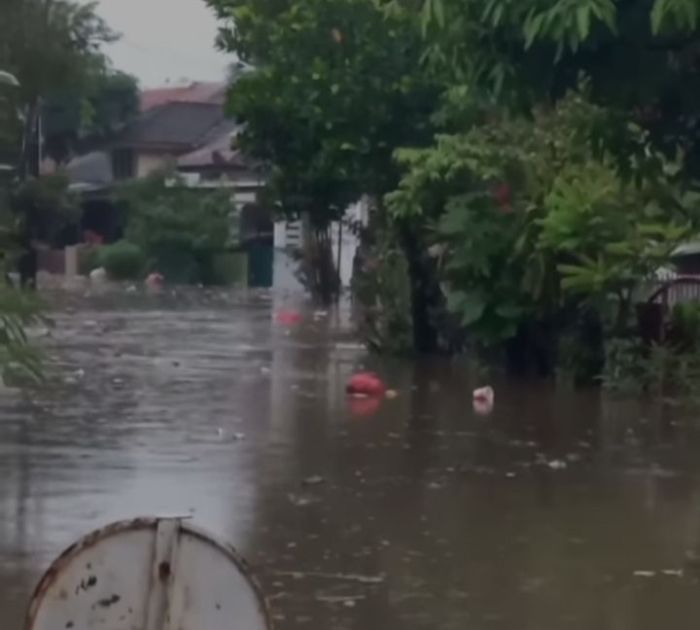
{"type": "Point", "coordinates": [75, 120]}
{"type": "Point", "coordinates": [536, 220]}
{"type": "Point", "coordinates": [640, 56]}
{"type": "Point", "coordinates": [53, 47]}
{"type": "Point", "coordinates": [333, 89]}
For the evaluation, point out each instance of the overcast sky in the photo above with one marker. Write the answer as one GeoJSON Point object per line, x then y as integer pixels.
{"type": "Point", "coordinates": [164, 40]}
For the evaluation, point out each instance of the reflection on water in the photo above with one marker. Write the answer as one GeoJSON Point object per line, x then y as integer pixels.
{"type": "Point", "coordinates": [558, 511]}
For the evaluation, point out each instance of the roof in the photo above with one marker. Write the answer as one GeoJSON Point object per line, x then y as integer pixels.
{"type": "Point", "coordinates": [196, 92]}
{"type": "Point", "coordinates": [176, 127]}
{"type": "Point", "coordinates": [94, 169]}
{"type": "Point", "coordinates": [689, 249]}
{"type": "Point", "coordinates": [220, 152]}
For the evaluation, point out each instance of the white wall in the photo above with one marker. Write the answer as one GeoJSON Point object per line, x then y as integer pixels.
{"type": "Point", "coordinates": [289, 235]}
{"type": "Point", "coordinates": [147, 163]}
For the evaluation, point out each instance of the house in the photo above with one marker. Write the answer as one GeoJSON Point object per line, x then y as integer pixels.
{"type": "Point", "coordinates": [182, 128]}
{"type": "Point", "coordinates": [185, 128]}
{"type": "Point", "coordinates": [153, 141]}
{"type": "Point", "coordinates": [159, 136]}
{"type": "Point", "coordinates": [173, 121]}
{"type": "Point", "coordinates": [195, 92]}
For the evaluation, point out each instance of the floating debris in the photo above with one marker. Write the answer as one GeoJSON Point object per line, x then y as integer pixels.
{"type": "Point", "coordinates": [288, 318]}
{"type": "Point", "coordinates": [314, 480]}
{"type": "Point", "coordinates": [301, 500]}
{"type": "Point", "coordinates": [348, 601]}
{"type": "Point", "coordinates": [483, 400]}
{"type": "Point", "coordinates": [346, 577]}
{"type": "Point", "coordinates": [366, 384]}
{"type": "Point", "coordinates": [644, 574]}
{"type": "Point", "coordinates": [349, 346]}
{"type": "Point", "coordinates": [557, 464]}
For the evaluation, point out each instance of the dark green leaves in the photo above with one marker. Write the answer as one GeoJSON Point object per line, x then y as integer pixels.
{"type": "Point", "coordinates": [682, 15]}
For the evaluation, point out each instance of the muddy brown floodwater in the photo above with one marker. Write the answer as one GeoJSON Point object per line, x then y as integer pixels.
{"type": "Point", "coordinates": [560, 511]}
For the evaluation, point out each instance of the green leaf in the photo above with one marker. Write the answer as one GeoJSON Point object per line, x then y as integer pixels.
{"type": "Point", "coordinates": [469, 305]}
{"type": "Point", "coordinates": [427, 15]}
{"type": "Point", "coordinates": [509, 311]}
{"type": "Point", "coordinates": [658, 13]}
{"type": "Point", "coordinates": [532, 27]}
{"type": "Point", "coordinates": [439, 11]}
{"type": "Point", "coordinates": [583, 21]}
{"type": "Point", "coordinates": [497, 15]}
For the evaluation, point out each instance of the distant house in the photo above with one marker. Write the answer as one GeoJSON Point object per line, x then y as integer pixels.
{"type": "Point", "coordinates": [153, 141]}
{"type": "Point", "coordinates": [173, 122]}
{"type": "Point", "coordinates": [159, 136]}
{"type": "Point", "coordinates": [186, 128]}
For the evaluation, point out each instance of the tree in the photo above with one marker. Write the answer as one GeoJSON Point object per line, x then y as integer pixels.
{"type": "Point", "coordinates": [75, 120]}
{"type": "Point", "coordinates": [534, 219]}
{"type": "Point", "coordinates": [53, 48]}
{"type": "Point", "coordinates": [640, 56]}
{"type": "Point", "coordinates": [335, 88]}
{"type": "Point", "coordinates": [50, 46]}
{"type": "Point", "coordinates": [181, 231]}
{"type": "Point", "coordinates": [10, 128]}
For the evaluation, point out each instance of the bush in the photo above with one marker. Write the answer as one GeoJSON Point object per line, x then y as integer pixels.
{"type": "Point", "coordinates": [89, 258]}
{"type": "Point", "coordinates": [230, 269]}
{"type": "Point", "coordinates": [123, 260]}
{"type": "Point", "coordinates": [382, 292]}
{"type": "Point", "coordinates": [180, 230]}
{"type": "Point", "coordinates": [632, 368]}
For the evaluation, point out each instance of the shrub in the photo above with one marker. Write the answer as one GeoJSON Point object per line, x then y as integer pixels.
{"type": "Point", "coordinates": [381, 288]}
{"type": "Point", "coordinates": [89, 258]}
{"type": "Point", "coordinates": [123, 260]}
{"type": "Point", "coordinates": [180, 230]}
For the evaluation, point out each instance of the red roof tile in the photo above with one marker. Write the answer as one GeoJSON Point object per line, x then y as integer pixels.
{"type": "Point", "coordinates": [197, 92]}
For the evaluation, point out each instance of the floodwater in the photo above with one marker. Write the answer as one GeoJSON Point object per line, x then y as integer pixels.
{"type": "Point", "coordinates": [559, 511]}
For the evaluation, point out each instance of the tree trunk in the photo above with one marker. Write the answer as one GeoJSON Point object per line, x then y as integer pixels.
{"type": "Point", "coordinates": [318, 272]}
{"type": "Point", "coordinates": [425, 292]}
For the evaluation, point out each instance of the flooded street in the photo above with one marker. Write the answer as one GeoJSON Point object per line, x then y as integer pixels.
{"type": "Point", "coordinates": [559, 511]}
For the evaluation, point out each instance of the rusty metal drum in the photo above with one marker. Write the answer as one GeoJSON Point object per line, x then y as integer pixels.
{"type": "Point", "coordinates": [148, 574]}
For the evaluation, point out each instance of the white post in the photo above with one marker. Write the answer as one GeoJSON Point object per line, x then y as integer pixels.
{"type": "Point", "coordinates": [71, 267]}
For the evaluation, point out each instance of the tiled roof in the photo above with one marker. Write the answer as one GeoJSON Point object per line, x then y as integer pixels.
{"type": "Point", "coordinates": [219, 152]}
{"type": "Point", "coordinates": [92, 168]}
{"type": "Point", "coordinates": [176, 127]}
{"type": "Point", "coordinates": [197, 92]}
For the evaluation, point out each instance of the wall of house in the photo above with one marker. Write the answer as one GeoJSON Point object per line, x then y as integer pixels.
{"type": "Point", "coordinates": [288, 235]}
{"type": "Point", "coordinates": [147, 163]}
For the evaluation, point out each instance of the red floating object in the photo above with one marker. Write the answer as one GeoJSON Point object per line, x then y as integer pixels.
{"type": "Point", "coordinates": [288, 318]}
{"type": "Point", "coordinates": [366, 384]}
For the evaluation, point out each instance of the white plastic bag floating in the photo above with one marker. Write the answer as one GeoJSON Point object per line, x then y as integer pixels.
{"type": "Point", "coordinates": [483, 400]}
{"type": "Point", "coordinates": [148, 574]}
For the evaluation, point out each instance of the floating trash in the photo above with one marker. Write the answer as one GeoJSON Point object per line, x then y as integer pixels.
{"type": "Point", "coordinates": [366, 384]}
